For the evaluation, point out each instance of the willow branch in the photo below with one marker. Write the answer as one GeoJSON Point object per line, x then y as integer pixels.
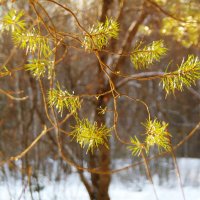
{"type": "Point", "coordinates": [12, 97]}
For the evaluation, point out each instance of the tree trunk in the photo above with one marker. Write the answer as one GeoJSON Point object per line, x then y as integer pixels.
{"type": "Point", "coordinates": [101, 159]}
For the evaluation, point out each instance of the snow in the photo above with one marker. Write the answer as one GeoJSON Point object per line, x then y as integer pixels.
{"type": "Point", "coordinates": [163, 194]}
{"type": "Point", "coordinates": [124, 185]}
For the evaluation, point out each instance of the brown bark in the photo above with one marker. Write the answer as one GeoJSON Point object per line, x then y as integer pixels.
{"type": "Point", "coordinates": [102, 159]}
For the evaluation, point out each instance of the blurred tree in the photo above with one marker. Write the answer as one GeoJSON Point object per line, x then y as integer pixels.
{"type": "Point", "coordinates": [78, 63]}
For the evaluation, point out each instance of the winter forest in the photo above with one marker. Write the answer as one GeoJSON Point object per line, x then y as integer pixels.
{"type": "Point", "coordinates": [99, 100]}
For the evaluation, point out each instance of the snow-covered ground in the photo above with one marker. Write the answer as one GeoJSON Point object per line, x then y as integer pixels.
{"type": "Point", "coordinates": [125, 186]}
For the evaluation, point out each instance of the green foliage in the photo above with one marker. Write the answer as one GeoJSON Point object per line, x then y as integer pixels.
{"type": "Point", "coordinates": [186, 75]}
{"type": "Point", "coordinates": [13, 22]}
{"type": "Point", "coordinates": [102, 111]}
{"type": "Point", "coordinates": [32, 41]}
{"type": "Point", "coordinates": [38, 67]}
{"type": "Point", "coordinates": [4, 71]}
{"type": "Point", "coordinates": [89, 135]}
{"type": "Point", "coordinates": [161, 2]}
{"type": "Point", "coordinates": [100, 35]}
{"type": "Point", "coordinates": [157, 134]}
{"type": "Point", "coordinates": [136, 146]}
{"type": "Point", "coordinates": [185, 33]}
{"type": "Point", "coordinates": [63, 99]}
{"type": "Point", "coordinates": [143, 57]}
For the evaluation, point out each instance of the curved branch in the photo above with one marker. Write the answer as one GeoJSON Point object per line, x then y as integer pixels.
{"type": "Point", "coordinates": [12, 97]}
{"type": "Point", "coordinates": [140, 76]}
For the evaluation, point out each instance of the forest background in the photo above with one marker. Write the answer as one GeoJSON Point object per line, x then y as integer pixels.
{"type": "Point", "coordinates": [83, 83]}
